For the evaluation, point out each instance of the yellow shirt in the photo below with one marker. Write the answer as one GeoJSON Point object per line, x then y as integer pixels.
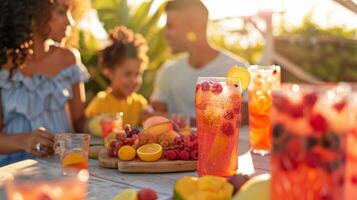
{"type": "Point", "coordinates": [105, 102]}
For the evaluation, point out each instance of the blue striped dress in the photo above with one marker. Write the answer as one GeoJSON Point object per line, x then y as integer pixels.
{"type": "Point", "coordinates": [37, 101]}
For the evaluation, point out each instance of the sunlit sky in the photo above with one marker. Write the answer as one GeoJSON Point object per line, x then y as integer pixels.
{"type": "Point", "coordinates": [326, 12]}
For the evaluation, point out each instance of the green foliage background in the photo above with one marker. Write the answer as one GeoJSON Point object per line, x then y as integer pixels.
{"type": "Point", "coordinates": [333, 59]}
{"type": "Point", "coordinates": [117, 12]}
{"type": "Point", "coordinates": [327, 53]}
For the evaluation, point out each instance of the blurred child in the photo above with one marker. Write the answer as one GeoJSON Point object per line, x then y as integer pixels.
{"type": "Point", "coordinates": [122, 63]}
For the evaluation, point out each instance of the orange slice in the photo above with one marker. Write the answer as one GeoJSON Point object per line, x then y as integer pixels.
{"type": "Point", "coordinates": [150, 152]}
{"type": "Point", "coordinates": [239, 75]}
{"type": "Point", "coordinates": [220, 141]}
{"type": "Point", "coordinates": [73, 158]}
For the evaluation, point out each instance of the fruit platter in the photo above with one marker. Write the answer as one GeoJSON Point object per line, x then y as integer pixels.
{"type": "Point", "coordinates": [160, 146]}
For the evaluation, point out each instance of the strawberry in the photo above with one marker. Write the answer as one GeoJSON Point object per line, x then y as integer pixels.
{"type": "Point", "coordinates": [354, 180]}
{"type": "Point", "coordinates": [309, 99]}
{"type": "Point", "coordinates": [295, 111]}
{"type": "Point", "coordinates": [194, 154]}
{"type": "Point", "coordinates": [280, 101]}
{"type": "Point", "coordinates": [228, 115]}
{"type": "Point", "coordinates": [44, 197]}
{"type": "Point", "coordinates": [184, 155]}
{"type": "Point", "coordinates": [205, 86]}
{"type": "Point", "coordinates": [171, 155]}
{"type": "Point", "coordinates": [147, 194]}
{"type": "Point", "coordinates": [198, 87]}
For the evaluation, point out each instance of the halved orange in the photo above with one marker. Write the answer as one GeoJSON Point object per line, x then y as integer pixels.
{"type": "Point", "coordinates": [239, 75]}
{"type": "Point", "coordinates": [150, 152]}
{"type": "Point", "coordinates": [126, 153]}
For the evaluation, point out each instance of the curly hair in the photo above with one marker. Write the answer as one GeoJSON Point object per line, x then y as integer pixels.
{"type": "Point", "coordinates": [124, 44]}
{"type": "Point", "coordinates": [18, 20]}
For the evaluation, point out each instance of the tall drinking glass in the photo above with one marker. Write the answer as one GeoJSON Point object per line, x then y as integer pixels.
{"type": "Point", "coordinates": [310, 126]}
{"type": "Point", "coordinates": [218, 114]}
{"type": "Point", "coordinates": [263, 80]}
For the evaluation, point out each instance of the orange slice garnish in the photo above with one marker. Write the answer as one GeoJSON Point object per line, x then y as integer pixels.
{"type": "Point", "coordinates": [239, 76]}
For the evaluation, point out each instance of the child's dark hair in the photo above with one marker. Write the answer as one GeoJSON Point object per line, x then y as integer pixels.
{"type": "Point", "coordinates": [18, 21]}
{"type": "Point", "coordinates": [124, 44]}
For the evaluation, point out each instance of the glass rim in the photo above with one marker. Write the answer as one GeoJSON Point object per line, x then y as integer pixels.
{"type": "Point", "coordinates": [264, 67]}
{"type": "Point", "coordinates": [224, 80]}
{"type": "Point", "coordinates": [26, 177]}
{"type": "Point", "coordinates": [73, 135]}
{"type": "Point", "coordinates": [213, 78]}
{"type": "Point", "coordinates": [340, 87]}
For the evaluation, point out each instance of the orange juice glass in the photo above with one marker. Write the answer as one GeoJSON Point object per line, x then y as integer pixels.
{"type": "Point", "coordinates": [263, 80]}
{"type": "Point", "coordinates": [218, 107]}
{"type": "Point", "coordinates": [73, 150]}
{"type": "Point", "coordinates": [310, 125]}
{"type": "Point", "coordinates": [52, 186]}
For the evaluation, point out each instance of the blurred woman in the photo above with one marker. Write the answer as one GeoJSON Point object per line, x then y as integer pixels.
{"type": "Point", "coordinates": [15, 45]}
{"type": "Point", "coordinates": [42, 92]}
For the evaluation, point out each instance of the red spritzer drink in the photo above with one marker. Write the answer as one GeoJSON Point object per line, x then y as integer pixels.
{"type": "Point", "coordinates": [351, 176]}
{"type": "Point", "coordinates": [218, 113]}
{"type": "Point", "coordinates": [309, 142]}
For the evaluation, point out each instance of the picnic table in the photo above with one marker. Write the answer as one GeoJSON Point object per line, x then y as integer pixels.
{"type": "Point", "coordinates": [105, 183]}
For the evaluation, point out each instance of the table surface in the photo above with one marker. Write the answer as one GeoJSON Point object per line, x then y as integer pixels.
{"type": "Point", "coordinates": [105, 183]}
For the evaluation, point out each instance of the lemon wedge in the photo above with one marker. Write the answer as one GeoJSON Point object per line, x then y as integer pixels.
{"type": "Point", "coordinates": [128, 194]}
{"type": "Point", "coordinates": [150, 152]}
{"type": "Point", "coordinates": [240, 76]}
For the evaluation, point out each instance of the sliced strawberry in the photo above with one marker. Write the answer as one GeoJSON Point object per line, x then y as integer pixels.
{"type": "Point", "coordinates": [318, 123]}
{"type": "Point", "coordinates": [340, 105]}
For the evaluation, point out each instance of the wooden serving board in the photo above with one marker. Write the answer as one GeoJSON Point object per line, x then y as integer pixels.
{"type": "Point", "coordinates": [94, 151]}
{"type": "Point", "coordinates": [138, 166]}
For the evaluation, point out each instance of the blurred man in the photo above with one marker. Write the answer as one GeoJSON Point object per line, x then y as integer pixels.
{"type": "Point", "coordinates": [186, 32]}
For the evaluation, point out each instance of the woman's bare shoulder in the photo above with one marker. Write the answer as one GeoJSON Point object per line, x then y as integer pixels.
{"type": "Point", "coordinates": [67, 56]}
